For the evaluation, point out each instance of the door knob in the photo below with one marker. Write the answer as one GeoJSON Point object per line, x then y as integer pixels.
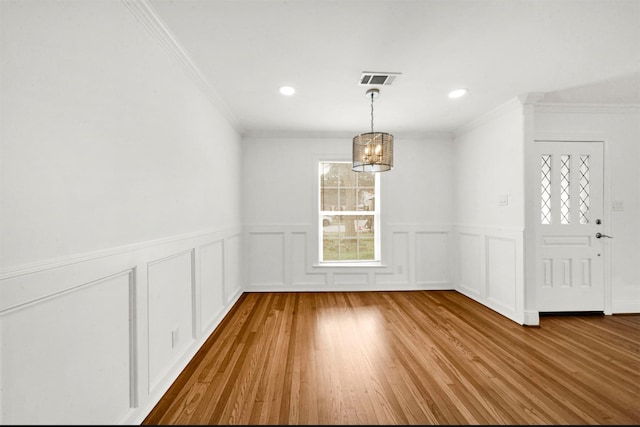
{"type": "Point", "coordinates": [600, 235]}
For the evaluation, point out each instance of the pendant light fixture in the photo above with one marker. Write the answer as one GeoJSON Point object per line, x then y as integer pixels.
{"type": "Point", "coordinates": [372, 151]}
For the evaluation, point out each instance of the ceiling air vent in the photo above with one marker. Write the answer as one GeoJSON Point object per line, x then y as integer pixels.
{"type": "Point", "coordinates": [371, 78]}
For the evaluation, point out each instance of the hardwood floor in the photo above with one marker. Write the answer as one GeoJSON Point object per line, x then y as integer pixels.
{"type": "Point", "coordinates": [419, 357]}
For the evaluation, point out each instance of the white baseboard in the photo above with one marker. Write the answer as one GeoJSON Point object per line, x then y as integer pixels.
{"type": "Point", "coordinates": [625, 307]}
{"type": "Point", "coordinates": [531, 318]}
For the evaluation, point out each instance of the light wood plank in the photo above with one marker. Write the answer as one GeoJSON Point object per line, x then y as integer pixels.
{"type": "Point", "coordinates": [419, 357]}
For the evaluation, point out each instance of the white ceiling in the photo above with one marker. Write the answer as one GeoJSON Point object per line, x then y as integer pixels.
{"type": "Point", "coordinates": [584, 51]}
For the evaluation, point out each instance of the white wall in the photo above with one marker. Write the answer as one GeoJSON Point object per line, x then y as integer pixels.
{"type": "Point", "coordinates": [619, 128]}
{"type": "Point", "coordinates": [489, 164]}
{"type": "Point", "coordinates": [120, 221]}
{"type": "Point", "coordinates": [279, 200]}
{"type": "Point", "coordinates": [105, 140]}
{"type": "Point", "coordinates": [488, 244]}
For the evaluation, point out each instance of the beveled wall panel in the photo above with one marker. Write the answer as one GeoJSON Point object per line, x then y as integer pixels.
{"type": "Point", "coordinates": [211, 283]}
{"type": "Point", "coordinates": [282, 257]}
{"type": "Point", "coordinates": [469, 263]}
{"type": "Point", "coordinates": [400, 259]}
{"type": "Point", "coordinates": [501, 272]}
{"type": "Point", "coordinates": [266, 259]}
{"type": "Point", "coordinates": [171, 312]}
{"type": "Point", "coordinates": [94, 332]}
{"type": "Point", "coordinates": [233, 282]}
{"type": "Point", "coordinates": [300, 260]}
{"type": "Point", "coordinates": [490, 268]}
{"type": "Point", "coordinates": [61, 351]}
{"type": "Point", "coordinates": [432, 258]}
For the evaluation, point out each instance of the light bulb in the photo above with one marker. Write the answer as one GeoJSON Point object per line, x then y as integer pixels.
{"type": "Point", "coordinates": [287, 90]}
{"type": "Point", "coordinates": [458, 93]}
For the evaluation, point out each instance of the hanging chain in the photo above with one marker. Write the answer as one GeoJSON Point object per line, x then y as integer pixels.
{"type": "Point", "coordinates": [371, 112]}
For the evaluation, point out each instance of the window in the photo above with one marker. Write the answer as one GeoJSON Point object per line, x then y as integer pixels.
{"type": "Point", "coordinates": [584, 189]}
{"type": "Point", "coordinates": [348, 214]}
{"type": "Point", "coordinates": [545, 189]}
{"type": "Point", "coordinates": [566, 202]}
{"type": "Point", "coordinates": [565, 187]}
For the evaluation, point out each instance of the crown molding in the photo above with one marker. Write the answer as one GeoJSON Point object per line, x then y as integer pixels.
{"type": "Point", "coordinates": [296, 134]}
{"type": "Point", "coordinates": [587, 108]}
{"type": "Point", "coordinates": [285, 134]}
{"type": "Point", "coordinates": [159, 31]}
{"type": "Point", "coordinates": [531, 98]}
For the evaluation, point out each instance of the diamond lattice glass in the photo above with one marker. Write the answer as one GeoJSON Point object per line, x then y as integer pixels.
{"type": "Point", "coordinates": [545, 189]}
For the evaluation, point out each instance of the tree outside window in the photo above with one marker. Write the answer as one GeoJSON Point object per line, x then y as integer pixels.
{"type": "Point", "coordinates": [348, 213]}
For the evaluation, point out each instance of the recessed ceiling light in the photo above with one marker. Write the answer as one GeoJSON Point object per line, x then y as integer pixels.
{"type": "Point", "coordinates": [287, 90]}
{"type": "Point", "coordinates": [458, 93]}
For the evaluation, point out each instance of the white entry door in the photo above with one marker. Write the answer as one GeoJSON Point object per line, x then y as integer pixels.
{"type": "Point", "coordinates": [570, 226]}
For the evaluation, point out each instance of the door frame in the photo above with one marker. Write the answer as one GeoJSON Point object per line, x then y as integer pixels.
{"type": "Point", "coordinates": [532, 177]}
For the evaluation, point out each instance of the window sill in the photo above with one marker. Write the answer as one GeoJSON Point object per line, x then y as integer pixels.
{"type": "Point", "coordinates": [348, 264]}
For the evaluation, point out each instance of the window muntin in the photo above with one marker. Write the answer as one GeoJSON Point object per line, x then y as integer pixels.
{"type": "Point", "coordinates": [348, 214]}
{"type": "Point", "coordinates": [565, 189]}
{"type": "Point", "coordinates": [545, 189]}
{"type": "Point", "coordinates": [570, 198]}
{"type": "Point", "coordinates": [584, 189]}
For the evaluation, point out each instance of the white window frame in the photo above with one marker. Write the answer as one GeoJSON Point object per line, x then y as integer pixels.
{"type": "Point", "coordinates": [320, 214]}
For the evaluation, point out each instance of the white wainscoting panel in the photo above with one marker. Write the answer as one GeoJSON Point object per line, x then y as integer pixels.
{"type": "Point", "coordinates": [351, 279]}
{"type": "Point", "coordinates": [399, 257]}
{"type": "Point", "coordinates": [171, 312]}
{"type": "Point", "coordinates": [490, 268]}
{"type": "Point", "coordinates": [433, 259]}
{"type": "Point", "coordinates": [469, 264]}
{"type": "Point", "coordinates": [628, 300]}
{"type": "Point", "coordinates": [284, 258]}
{"type": "Point", "coordinates": [300, 260]}
{"type": "Point", "coordinates": [267, 259]}
{"type": "Point", "coordinates": [97, 338]}
{"type": "Point", "coordinates": [233, 282]}
{"type": "Point", "coordinates": [211, 283]}
{"type": "Point", "coordinates": [501, 272]}
{"type": "Point", "coordinates": [61, 351]}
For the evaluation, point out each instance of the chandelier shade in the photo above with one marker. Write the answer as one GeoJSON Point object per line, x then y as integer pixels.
{"type": "Point", "coordinates": [372, 151]}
